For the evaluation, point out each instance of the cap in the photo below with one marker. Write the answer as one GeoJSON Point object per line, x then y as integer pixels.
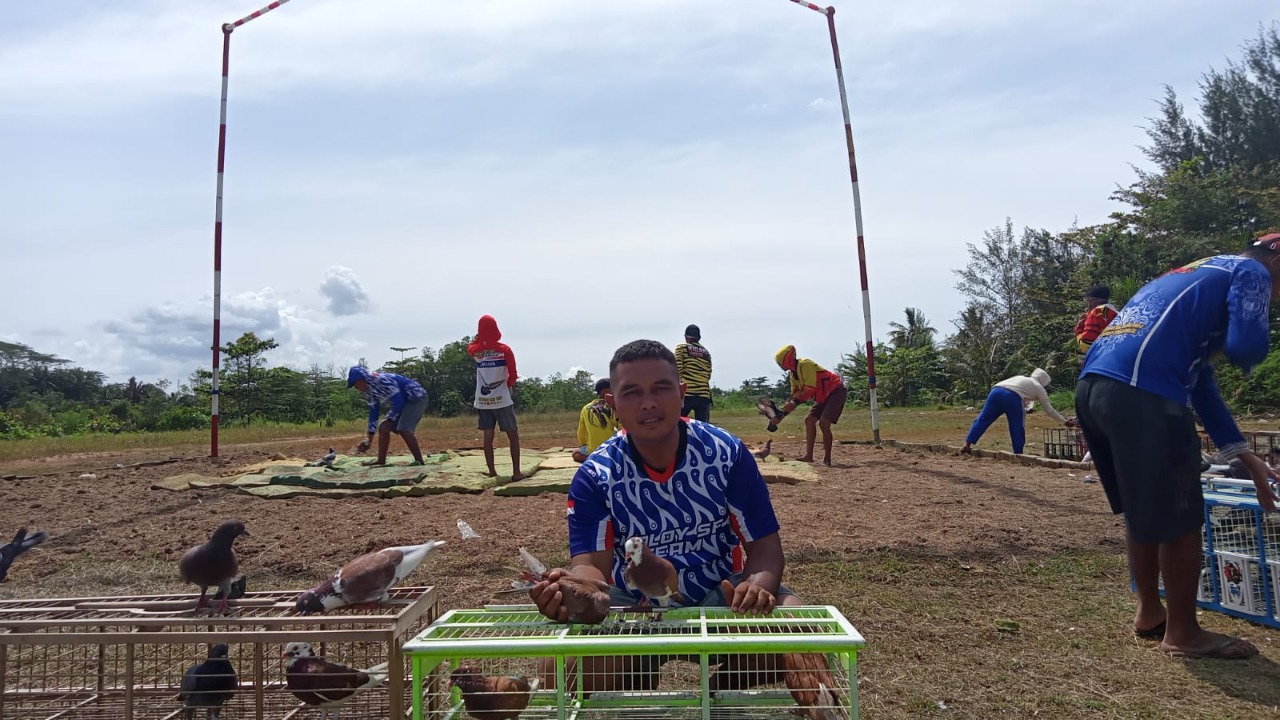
{"type": "Point", "coordinates": [602, 384]}
{"type": "Point", "coordinates": [693, 332]}
{"type": "Point", "coordinates": [1099, 292]}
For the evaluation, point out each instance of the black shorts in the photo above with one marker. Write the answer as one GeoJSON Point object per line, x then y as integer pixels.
{"type": "Point", "coordinates": [504, 418]}
{"type": "Point", "coordinates": [697, 407]}
{"type": "Point", "coordinates": [1147, 454]}
{"type": "Point", "coordinates": [831, 408]}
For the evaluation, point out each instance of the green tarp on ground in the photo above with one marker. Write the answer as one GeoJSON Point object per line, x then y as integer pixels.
{"type": "Point", "coordinates": [446, 472]}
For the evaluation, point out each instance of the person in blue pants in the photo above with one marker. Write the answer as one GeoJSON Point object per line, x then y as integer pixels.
{"type": "Point", "coordinates": [1014, 398]}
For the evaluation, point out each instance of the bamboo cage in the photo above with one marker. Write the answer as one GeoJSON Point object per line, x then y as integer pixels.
{"type": "Point", "coordinates": [122, 658]}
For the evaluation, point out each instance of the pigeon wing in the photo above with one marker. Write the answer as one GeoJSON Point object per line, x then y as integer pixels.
{"type": "Point", "coordinates": [368, 577]}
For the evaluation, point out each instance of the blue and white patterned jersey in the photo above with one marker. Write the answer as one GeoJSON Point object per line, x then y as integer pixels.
{"type": "Point", "coordinates": [389, 386]}
{"type": "Point", "coordinates": [714, 501]}
{"type": "Point", "coordinates": [1165, 338]}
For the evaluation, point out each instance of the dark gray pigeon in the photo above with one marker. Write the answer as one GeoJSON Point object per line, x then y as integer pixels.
{"type": "Point", "coordinates": [214, 563]}
{"type": "Point", "coordinates": [21, 543]}
{"type": "Point", "coordinates": [209, 684]}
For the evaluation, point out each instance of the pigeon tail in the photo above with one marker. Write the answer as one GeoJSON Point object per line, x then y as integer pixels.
{"type": "Point", "coordinates": [31, 540]}
{"type": "Point", "coordinates": [378, 674]}
{"type": "Point", "coordinates": [414, 555]}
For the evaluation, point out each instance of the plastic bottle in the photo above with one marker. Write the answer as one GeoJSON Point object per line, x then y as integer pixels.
{"type": "Point", "coordinates": [467, 532]}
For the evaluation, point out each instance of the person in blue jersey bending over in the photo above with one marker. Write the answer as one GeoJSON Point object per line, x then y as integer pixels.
{"type": "Point", "coordinates": [1132, 403]}
{"type": "Point", "coordinates": [408, 403]}
{"type": "Point", "coordinates": [692, 492]}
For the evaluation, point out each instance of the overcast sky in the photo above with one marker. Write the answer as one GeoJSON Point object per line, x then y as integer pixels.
{"type": "Point", "coordinates": [588, 173]}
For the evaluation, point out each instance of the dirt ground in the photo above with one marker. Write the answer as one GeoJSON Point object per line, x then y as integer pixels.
{"type": "Point", "coordinates": [984, 589]}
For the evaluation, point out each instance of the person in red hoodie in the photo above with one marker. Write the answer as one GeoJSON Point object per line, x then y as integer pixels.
{"type": "Point", "coordinates": [495, 377]}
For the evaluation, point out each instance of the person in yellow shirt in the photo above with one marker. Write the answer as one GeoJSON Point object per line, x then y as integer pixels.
{"type": "Point", "coordinates": [596, 423]}
{"type": "Point", "coordinates": [811, 381]}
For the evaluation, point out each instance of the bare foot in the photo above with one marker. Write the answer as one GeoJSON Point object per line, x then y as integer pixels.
{"type": "Point", "coordinates": [827, 462]}
{"type": "Point", "coordinates": [416, 463]}
{"type": "Point", "coordinates": [492, 473]}
{"type": "Point", "coordinates": [1212, 646]}
{"type": "Point", "coordinates": [374, 463]}
{"type": "Point", "coordinates": [517, 476]}
{"type": "Point", "coordinates": [807, 458]}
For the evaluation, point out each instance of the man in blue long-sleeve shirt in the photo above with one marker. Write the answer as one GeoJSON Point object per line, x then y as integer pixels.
{"type": "Point", "coordinates": [408, 402]}
{"type": "Point", "coordinates": [1153, 360]}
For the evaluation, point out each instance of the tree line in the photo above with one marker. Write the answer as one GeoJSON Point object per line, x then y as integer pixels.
{"type": "Point", "coordinates": [1214, 186]}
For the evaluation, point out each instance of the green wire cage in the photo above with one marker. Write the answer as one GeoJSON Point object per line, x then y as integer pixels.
{"type": "Point", "coordinates": [691, 663]}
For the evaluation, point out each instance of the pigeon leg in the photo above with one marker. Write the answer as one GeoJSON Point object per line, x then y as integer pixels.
{"type": "Point", "coordinates": [202, 601]}
{"type": "Point", "coordinates": [225, 589]}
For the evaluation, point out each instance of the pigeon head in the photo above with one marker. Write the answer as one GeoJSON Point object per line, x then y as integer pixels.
{"type": "Point", "coordinates": [298, 650]}
{"type": "Point", "coordinates": [308, 602]}
{"type": "Point", "coordinates": [466, 677]}
{"type": "Point", "coordinates": [635, 550]}
{"type": "Point", "coordinates": [219, 651]}
{"type": "Point", "coordinates": [227, 532]}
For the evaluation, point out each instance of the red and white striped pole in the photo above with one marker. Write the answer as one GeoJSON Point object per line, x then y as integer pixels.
{"type": "Point", "coordinates": [217, 221]}
{"type": "Point", "coordinates": [830, 12]}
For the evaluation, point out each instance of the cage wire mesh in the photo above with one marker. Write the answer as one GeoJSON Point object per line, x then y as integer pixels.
{"type": "Point", "coordinates": [114, 658]}
{"type": "Point", "coordinates": [694, 663]}
{"type": "Point", "coordinates": [1235, 528]}
{"type": "Point", "coordinates": [1064, 444]}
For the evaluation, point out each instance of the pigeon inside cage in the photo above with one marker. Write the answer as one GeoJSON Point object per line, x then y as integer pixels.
{"type": "Point", "coordinates": [753, 667]}
{"type": "Point", "coordinates": [119, 658]}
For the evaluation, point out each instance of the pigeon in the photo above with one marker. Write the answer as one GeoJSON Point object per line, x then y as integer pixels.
{"type": "Point", "coordinates": [770, 410]}
{"type": "Point", "coordinates": [365, 580]}
{"type": "Point", "coordinates": [765, 451]}
{"type": "Point", "coordinates": [323, 684]}
{"type": "Point", "coordinates": [587, 601]}
{"type": "Point", "coordinates": [327, 461]}
{"type": "Point", "coordinates": [213, 563]}
{"type": "Point", "coordinates": [492, 698]}
{"type": "Point", "coordinates": [238, 588]}
{"type": "Point", "coordinates": [654, 576]}
{"type": "Point", "coordinates": [21, 543]}
{"type": "Point", "coordinates": [812, 686]}
{"type": "Point", "coordinates": [209, 684]}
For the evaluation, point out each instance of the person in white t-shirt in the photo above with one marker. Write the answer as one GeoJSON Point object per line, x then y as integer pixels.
{"type": "Point", "coordinates": [495, 406]}
{"type": "Point", "coordinates": [1014, 398]}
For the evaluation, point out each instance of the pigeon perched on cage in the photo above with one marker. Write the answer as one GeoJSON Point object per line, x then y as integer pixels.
{"type": "Point", "coordinates": [492, 698]}
{"type": "Point", "coordinates": [214, 563]}
{"type": "Point", "coordinates": [209, 684]}
{"type": "Point", "coordinates": [237, 589]}
{"type": "Point", "coordinates": [812, 686]}
{"type": "Point", "coordinates": [365, 580]}
{"type": "Point", "coordinates": [323, 684]}
{"type": "Point", "coordinates": [22, 542]}
{"type": "Point", "coordinates": [654, 576]}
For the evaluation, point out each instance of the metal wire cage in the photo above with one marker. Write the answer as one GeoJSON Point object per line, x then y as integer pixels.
{"type": "Point", "coordinates": [691, 663]}
{"type": "Point", "coordinates": [123, 658]}
{"type": "Point", "coordinates": [1064, 444]}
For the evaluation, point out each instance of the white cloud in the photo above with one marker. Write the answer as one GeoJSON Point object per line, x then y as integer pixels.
{"type": "Point", "coordinates": [344, 292]}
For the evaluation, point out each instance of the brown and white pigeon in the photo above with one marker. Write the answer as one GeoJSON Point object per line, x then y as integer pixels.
{"type": "Point", "coordinates": [654, 576]}
{"type": "Point", "coordinates": [214, 563]}
{"type": "Point", "coordinates": [586, 601]}
{"type": "Point", "coordinates": [320, 683]}
{"type": "Point", "coordinates": [22, 542]}
{"type": "Point", "coordinates": [492, 698]}
{"type": "Point", "coordinates": [365, 580]}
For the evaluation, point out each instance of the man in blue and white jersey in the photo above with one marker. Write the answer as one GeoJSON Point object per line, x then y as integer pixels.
{"type": "Point", "coordinates": [1140, 383]}
{"type": "Point", "coordinates": [408, 402]}
{"type": "Point", "coordinates": [694, 493]}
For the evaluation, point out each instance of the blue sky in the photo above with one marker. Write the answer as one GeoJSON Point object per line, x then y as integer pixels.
{"type": "Point", "coordinates": [588, 173]}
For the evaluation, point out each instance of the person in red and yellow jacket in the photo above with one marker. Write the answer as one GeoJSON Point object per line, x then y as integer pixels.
{"type": "Point", "coordinates": [811, 381]}
{"type": "Point", "coordinates": [495, 376]}
{"type": "Point", "coordinates": [1096, 318]}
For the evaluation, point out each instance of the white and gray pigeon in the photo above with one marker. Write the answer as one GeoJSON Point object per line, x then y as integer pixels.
{"type": "Point", "coordinates": [365, 580]}
{"type": "Point", "coordinates": [327, 461]}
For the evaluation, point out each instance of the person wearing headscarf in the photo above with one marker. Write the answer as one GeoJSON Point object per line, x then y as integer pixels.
{"type": "Point", "coordinates": [1013, 398]}
{"type": "Point", "coordinates": [810, 381]}
{"type": "Point", "coordinates": [494, 403]}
